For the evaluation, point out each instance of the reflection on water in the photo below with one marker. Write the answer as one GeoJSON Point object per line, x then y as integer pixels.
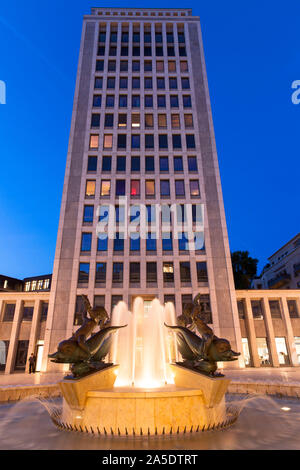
{"type": "Point", "coordinates": [264, 423]}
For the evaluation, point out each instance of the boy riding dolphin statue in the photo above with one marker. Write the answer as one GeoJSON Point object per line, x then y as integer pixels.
{"type": "Point", "coordinates": [198, 357]}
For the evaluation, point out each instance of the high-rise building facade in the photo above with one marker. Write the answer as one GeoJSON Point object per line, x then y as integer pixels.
{"type": "Point", "coordinates": [141, 132]}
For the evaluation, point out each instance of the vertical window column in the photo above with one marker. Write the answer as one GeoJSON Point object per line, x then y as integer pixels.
{"type": "Point", "coordinates": [289, 333]}
{"type": "Point", "coordinates": [251, 333]}
{"type": "Point", "coordinates": [13, 342]}
{"type": "Point", "coordinates": [270, 332]}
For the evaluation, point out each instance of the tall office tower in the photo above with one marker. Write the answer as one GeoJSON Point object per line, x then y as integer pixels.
{"type": "Point", "coordinates": [141, 129]}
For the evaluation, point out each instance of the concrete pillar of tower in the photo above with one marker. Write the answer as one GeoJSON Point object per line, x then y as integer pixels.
{"type": "Point", "coordinates": [13, 342]}
{"type": "Point", "coordinates": [289, 333]}
{"type": "Point", "coordinates": [270, 332]}
{"type": "Point", "coordinates": [251, 334]}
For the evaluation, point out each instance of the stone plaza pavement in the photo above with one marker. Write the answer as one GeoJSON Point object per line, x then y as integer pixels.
{"type": "Point", "coordinates": [284, 376]}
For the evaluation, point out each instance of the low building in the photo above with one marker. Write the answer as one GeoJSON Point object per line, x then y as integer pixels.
{"type": "Point", "coordinates": [283, 268]}
{"type": "Point", "coordinates": [269, 321]}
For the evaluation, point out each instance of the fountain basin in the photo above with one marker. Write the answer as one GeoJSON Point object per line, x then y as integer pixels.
{"type": "Point", "coordinates": [92, 404]}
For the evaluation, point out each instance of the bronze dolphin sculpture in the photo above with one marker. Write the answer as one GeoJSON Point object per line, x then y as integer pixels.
{"type": "Point", "coordinates": [190, 347]}
{"type": "Point", "coordinates": [69, 351]}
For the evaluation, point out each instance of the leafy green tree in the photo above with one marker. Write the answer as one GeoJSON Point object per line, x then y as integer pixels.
{"type": "Point", "coordinates": [244, 269]}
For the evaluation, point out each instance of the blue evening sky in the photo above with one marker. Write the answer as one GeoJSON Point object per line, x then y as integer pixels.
{"type": "Point", "coordinates": [252, 55]}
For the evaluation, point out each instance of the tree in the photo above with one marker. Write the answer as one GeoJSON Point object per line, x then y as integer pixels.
{"type": "Point", "coordinates": [244, 269]}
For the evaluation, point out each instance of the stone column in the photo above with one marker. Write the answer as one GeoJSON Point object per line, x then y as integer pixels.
{"type": "Point", "coordinates": [13, 342]}
{"type": "Point", "coordinates": [289, 333]}
{"type": "Point", "coordinates": [34, 329]}
{"type": "Point", "coordinates": [270, 332]}
{"type": "Point", "coordinates": [251, 333]}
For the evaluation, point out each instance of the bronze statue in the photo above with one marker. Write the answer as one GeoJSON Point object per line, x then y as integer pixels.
{"type": "Point", "coordinates": [86, 353]}
{"type": "Point", "coordinates": [200, 353]}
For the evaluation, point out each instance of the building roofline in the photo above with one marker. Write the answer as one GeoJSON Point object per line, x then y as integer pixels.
{"type": "Point", "coordinates": [287, 243]}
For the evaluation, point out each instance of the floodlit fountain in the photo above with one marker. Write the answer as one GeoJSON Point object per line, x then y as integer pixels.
{"type": "Point", "coordinates": [142, 388]}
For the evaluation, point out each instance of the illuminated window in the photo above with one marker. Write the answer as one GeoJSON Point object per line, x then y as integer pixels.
{"type": "Point", "coordinates": [159, 66]}
{"type": "Point", "coordinates": [135, 121]}
{"type": "Point", "coordinates": [135, 188]}
{"type": "Point", "coordinates": [194, 188]}
{"type": "Point", "coordinates": [27, 286]}
{"type": "Point", "coordinates": [90, 188]}
{"type": "Point", "coordinates": [263, 351]}
{"type": "Point", "coordinates": [150, 188]}
{"type": "Point", "coordinates": [171, 66]}
{"type": "Point", "coordinates": [108, 141]}
{"type": "Point", "coordinates": [122, 120]}
{"type": "Point", "coordinates": [148, 120]}
{"type": "Point", "coordinates": [94, 142]}
{"type": "Point", "coordinates": [184, 66]}
{"type": "Point", "coordinates": [175, 120]}
{"type": "Point", "coordinates": [168, 272]}
{"type": "Point", "coordinates": [162, 121]}
{"type": "Point", "coordinates": [105, 188]}
{"type": "Point", "coordinates": [188, 121]}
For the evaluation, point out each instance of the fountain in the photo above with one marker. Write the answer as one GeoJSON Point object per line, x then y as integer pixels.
{"type": "Point", "coordinates": [142, 388]}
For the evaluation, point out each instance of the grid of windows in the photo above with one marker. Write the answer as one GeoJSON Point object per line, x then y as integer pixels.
{"type": "Point", "coordinates": [142, 124]}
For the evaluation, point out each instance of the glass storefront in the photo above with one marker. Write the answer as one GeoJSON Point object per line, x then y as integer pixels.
{"type": "Point", "coordinates": [263, 352]}
{"type": "Point", "coordinates": [297, 346]}
{"type": "Point", "coordinates": [3, 354]}
{"type": "Point", "coordinates": [246, 352]}
{"type": "Point", "coordinates": [21, 356]}
{"type": "Point", "coordinates": [281, 349]}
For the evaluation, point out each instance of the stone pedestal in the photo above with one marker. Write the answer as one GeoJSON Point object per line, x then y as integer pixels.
{"type": "Point", "coordinates": [213, 388]}
{"type": "Point", "coordinates": [75, 391]}
{"type": "Point", "coordinates": [194, 403]}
